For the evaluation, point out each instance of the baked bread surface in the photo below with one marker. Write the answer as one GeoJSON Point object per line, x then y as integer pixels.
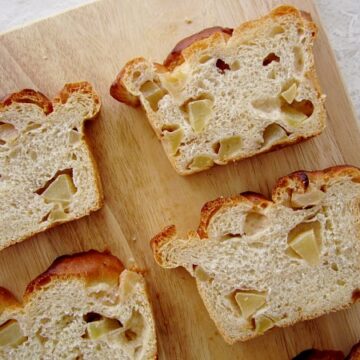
{"type": "Point", "coordinates": [85, 306]}
{"type": "Point", "coordinates": [224, 95]}
{"type": "Point", "coordinates": [47, 172]}
{"type": "Point", "coordinates": [262, 263]}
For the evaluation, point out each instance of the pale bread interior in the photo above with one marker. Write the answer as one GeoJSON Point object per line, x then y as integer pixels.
{"type": "Point", "coordinates": [247, 272]}
{"type": "Point", "coordinates": [54, 321]}
{"type": "Point", "coordinates": [35, 149]}
{"type": "Point", "coordinates": [259, 86]}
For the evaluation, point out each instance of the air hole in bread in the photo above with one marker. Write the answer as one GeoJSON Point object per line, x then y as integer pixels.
{"type": "Point", "coordinates": [136, 75]}
{"type": "Point", "coordinates": [276, 30]}
{"type": "Point", "coordinates": [254, 223]}
{"type": "Point", "coordinates": [102, 327]}
{"type": "Point", "coordinates": [305, 239]}
{"type": "Point", "coordinates": [8, 133]}
{"type": "Point", "coordinates": [334, 267]}
{"type": "Point", "coordinates": [222, 66]}
{"type": "Point", "coordinates": [92, 316]}
{"type": "Point", "coordinates": [170, 127]}
{"type": "Point", "coordinates": [270, 58]}
{"type": "Point", "coordinates": [297, 112]}
{"type": "Point", "coordinates": [341, 282]}
{"type": "Point", "coordinates": [298, 59]}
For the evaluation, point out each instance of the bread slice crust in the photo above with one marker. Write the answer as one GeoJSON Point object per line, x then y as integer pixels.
{"type": "Point", "coordinates": [126, 89]}
{"type": "Point", "coordinates": [89, 269]}
{"type": "Point", "coordinates": [28, 100]}
{"type": "Point", "coordinates": [171, 251]}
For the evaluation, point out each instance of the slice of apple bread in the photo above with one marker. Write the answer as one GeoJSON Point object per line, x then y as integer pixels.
{"type": "Point", "coordinates": [224, 95]}
{"type": "Point", "coordinates": [261, 263]}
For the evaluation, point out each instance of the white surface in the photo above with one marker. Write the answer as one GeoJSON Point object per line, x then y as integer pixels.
{"type": "Point", "coordinates": [341, 19]}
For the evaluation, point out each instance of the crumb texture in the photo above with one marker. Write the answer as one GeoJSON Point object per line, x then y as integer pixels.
{"type": "Point", "coordinates": [47, 173]}
{"type": "Point", "coordinates": [260, 264]}
{"type": "Point", "coordinates": [230, 94]}
{"type": "Point", "coordinates": [81, 316]}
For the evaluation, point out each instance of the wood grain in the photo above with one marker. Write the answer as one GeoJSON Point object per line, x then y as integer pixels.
{"type": "Point", "coordinates": [143, 193]}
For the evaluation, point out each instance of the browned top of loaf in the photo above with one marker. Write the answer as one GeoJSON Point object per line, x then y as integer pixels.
{"type": "Point", "coordinates": [35, 97]}
{"type": "Point", "coordinates": [354, 353]}
{"type": "Point", "coordinates": [313, 354]}
{"type": "Point", "coordinates": [91, 266]}
{"type": "Point", "coordinates": [298, 180]}
{"type": "Point", "coordinates": [197, 41]}
{"type": "Point", "coordinates": [7, 299]}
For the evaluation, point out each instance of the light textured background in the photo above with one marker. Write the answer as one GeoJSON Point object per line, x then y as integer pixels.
{"type": "Point", "coordinates": [341, 19]}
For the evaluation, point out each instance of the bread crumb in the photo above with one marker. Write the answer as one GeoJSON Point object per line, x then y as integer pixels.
{"type": "Point", "coordinates": [45, 57]}
{"type": "Point", "coordinates": [133, 238]}
{"type": "Point", "coordinates": [188, 20]}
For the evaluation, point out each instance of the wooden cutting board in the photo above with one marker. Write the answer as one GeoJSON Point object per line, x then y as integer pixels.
{"type": "Point", "coordinates": [143, 193]}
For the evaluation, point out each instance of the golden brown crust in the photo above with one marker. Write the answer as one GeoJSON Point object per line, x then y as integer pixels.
{"type": "Point", "coordinates": [175, 57]}
{"type": "Point", "coordinates": [160, 239]}
{"type": "Point", "coordinates": [192, 44]}
{"type": "Point", "coordinates": [298, 180]}
{"type": "Point", "coordinates": [28, 96]}
{"type": "Point", "coordinates": [7, 299]}
{"type": "Point", "coordinates": [354, 353]}
{"type": "Point", "coordinates": [118, 90]}
{"type": "Point", "coordinates": [313, 354]}
{"type": "Point", "coordinates": [91, 265]}
{"type": "Point", "coordinates": [82, 88]}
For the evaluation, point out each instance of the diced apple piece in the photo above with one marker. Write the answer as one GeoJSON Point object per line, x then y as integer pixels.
{"type": "Point", "coordinates": [263, 323]}
{"type": "Point", "coordinates": [201, 274]}
{"type": "Point", "coordinates": [128, 284]}
{"type": "Point", "coordinates": [201, 162]}
{"type": "Point", "coordinates": [153, 93]}
{"type": "Point", "coordinates": [305, 245]}
{"type": "Point", "coordinates": [175, 81]}
{"type": "Point", "coordinates": [290, 93]}
{"type": "Point", "coordinates": [57, 213]}
{"type": "Point", "coordinates": [60, 190]}
{"type": "Point", "coordinates": [250, 301]}
{"type": "Point", "coordinates": [199, 114]}
{"type": "Point", "coordinates": [293, 117]}
{"type": "Point", "coordinates": [11, 334]}
{"type": "Point", "coordinates": [311, 197]}
{"type": "Point", "coordinates": [174, 139]}
{"type": "Point", "coordinates": [273, 134]}
{"type": "Point", "coordinates": [229, 147]}
{"type": "Point", "coordinates": [74, 137]}
{"type": "Point", "coordinates": [100, 328]}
